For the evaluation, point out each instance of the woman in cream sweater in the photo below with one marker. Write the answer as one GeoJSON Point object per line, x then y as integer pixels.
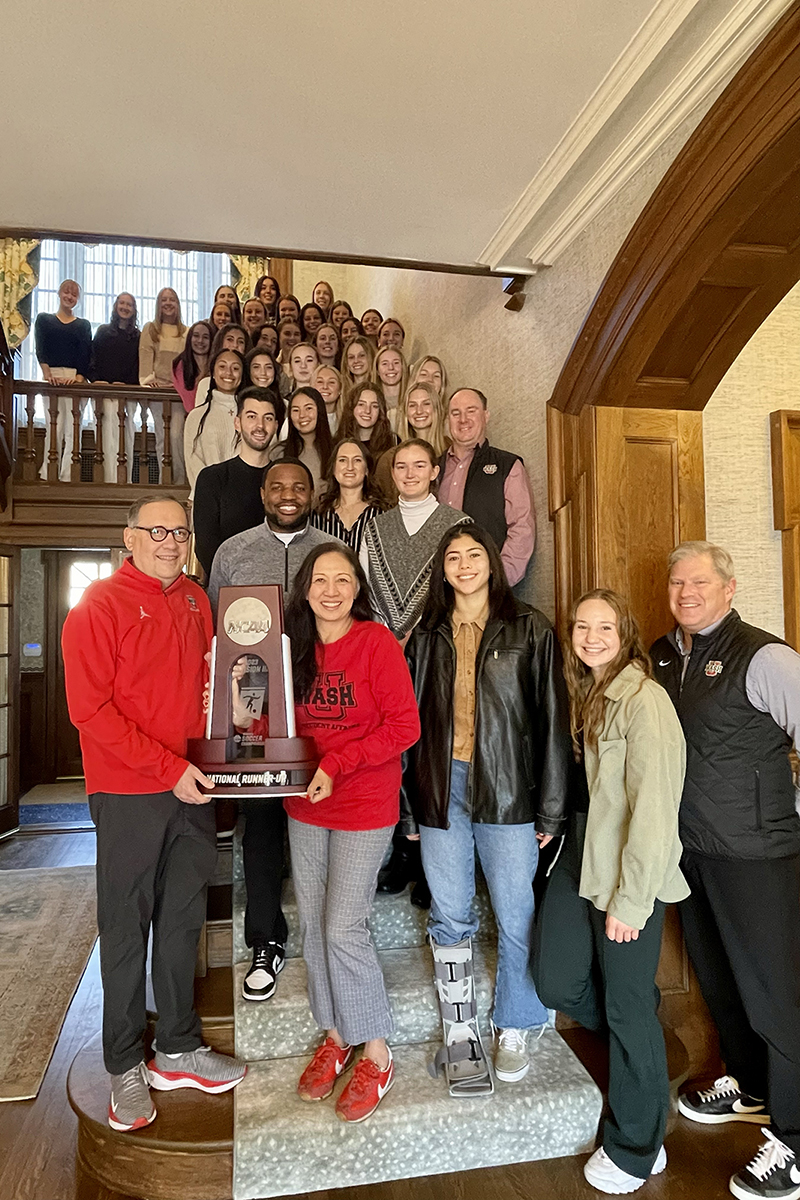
{"type": "Point", "coordinates": [603, 912]}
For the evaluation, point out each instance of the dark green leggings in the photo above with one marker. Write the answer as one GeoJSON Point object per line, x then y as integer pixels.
{"type": "Point", "coordinates": [608, 986]}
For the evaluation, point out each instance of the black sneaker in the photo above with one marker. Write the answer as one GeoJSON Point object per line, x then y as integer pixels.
{"type": "Point", "coordinates": [262, 978]}
{"type": "Point", "coordinates": [773, 1174]}
{"type": "Point", "coordinates": [725, 1101]}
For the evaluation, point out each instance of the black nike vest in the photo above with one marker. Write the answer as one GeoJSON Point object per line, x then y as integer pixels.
{"type": "Point", "coordinates": [738, 796]}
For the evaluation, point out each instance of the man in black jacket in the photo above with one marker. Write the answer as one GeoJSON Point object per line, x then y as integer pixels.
{"type": "Point", "coordinates": [488, 484]}
{"type": "Point", "coordinates": [736, 689]}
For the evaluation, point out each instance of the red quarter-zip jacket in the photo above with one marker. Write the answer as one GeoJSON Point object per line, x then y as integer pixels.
{"type": "Point", "coordinates": [134, 666]}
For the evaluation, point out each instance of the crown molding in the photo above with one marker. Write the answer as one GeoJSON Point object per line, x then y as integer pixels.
{"type": "Point", "coordinates": [560, 201]}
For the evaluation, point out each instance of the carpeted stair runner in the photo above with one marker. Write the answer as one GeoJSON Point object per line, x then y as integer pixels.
{"type": "Point", "coordinates": [284, 1146]}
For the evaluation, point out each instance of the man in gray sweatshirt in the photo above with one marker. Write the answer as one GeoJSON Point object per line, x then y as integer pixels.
{"type": "Point", "coordinates": [269, 553]}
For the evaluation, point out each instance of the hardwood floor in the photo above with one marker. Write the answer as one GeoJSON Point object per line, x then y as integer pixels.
{"type": "Point", "coordinates": [37, 1137]}
{"type": "Point", "coordinates": [26, 851]}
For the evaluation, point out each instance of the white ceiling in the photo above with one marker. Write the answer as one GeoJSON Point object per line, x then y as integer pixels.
{"type": "Point", "coordinates": [409, 129]}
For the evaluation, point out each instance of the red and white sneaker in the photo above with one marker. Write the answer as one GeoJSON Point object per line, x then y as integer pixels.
{"type": "Point", "coordinates": [319, 1078]}
{"type": "Point", "coordinates": [367, 1086]}
{"type": "Point", "coordinates": [131, 1106]}
{"type": "Point", "coordinates": [203, 1068]}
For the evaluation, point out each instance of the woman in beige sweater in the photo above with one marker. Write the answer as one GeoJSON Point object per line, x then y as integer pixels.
{"type": "Point", "coordinates": [603, 912]}
{"type": "Point", "coordinates": [162, 340]}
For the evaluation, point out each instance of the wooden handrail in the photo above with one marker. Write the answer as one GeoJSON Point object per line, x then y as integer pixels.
{"type": "Point", "coordinates": [124, 394]}
{"type": "Point", "coordinates": [32, 387]}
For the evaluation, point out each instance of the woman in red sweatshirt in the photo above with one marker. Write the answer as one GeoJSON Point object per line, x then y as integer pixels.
{"type": "Point", "coordinates": [354, 696]}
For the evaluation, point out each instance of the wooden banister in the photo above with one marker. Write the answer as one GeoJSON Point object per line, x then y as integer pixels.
{"type": "Point", "coordinates": [21, 394]}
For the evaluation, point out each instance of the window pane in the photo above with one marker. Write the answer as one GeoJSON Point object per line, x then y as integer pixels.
{"type": "Point", "coordinates": [4, 679]}
{"type": "Point", "coordinates": [104, 271]}
{"type": "Point", "coordinates": [3, 782]}
{"type": "Point", "coordinates": [3, 730]}
{"type": "Point", "coordinates": [4, 564]}
{"type": "Point", "coordinates": [81, 574]}
{"type": "Point", "coordinates": [4, 631]}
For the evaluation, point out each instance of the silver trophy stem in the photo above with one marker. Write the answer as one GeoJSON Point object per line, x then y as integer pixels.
{"type": "Point", "coordinates": [211, 676]}
{"type": "Point", "coordinates": [288, 684]}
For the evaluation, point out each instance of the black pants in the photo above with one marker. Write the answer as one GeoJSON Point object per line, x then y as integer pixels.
{"type": "Point", "coordinates": [608, 986]}
{"type": "Point", "coordinates": [263, 855]}
{"type": "Point", "coordinates": [155, 857]}
{"type": "Point", "coordinates": [742, 930]}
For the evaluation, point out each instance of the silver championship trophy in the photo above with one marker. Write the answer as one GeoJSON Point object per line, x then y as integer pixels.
{"type": "Point", "coordinates": [250, 747]}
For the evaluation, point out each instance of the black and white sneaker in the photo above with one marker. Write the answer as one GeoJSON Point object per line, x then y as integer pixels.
{"type": "Point", "coordinates": [725, 1101]}
{"type": "Point", "coordinates": [262, 977]}
{"type": "Point", "coordinates": [774, 1173]}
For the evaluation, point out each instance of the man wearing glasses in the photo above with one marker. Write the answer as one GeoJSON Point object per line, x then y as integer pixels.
{"type": "Point", "coordinates": [134, 660]}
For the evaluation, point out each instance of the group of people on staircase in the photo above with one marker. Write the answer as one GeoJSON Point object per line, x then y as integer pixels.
{"type": "Point", "coordinates": [446, 715]}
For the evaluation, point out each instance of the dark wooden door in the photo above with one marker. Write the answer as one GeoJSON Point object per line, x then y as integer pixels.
{"type": "Point", "coordinates": [68, 573]}
{"type": "Point", "coordinates": [9, 689]}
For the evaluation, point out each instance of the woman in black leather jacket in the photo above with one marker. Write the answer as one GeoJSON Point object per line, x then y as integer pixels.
{"type": "Point", "coordinates": [488, 773]}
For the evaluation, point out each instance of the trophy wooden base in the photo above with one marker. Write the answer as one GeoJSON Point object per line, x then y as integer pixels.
{"type": "Point", "coordinates": [274, 767]}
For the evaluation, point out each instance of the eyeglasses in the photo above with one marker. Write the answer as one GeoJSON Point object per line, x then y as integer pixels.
{"type": "Point", "coordinates": [159, 533]}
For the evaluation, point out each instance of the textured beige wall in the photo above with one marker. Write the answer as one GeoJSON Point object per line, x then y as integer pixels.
{"type": "Point", "coordinates": [765, 377]}
{"type": "Point", "coordinates": [514, 358]}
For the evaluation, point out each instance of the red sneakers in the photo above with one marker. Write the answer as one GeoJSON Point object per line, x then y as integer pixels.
{"type": "Point", "coordinates": [318, 1080]}
{"type": "Point", "coordinates": [367, 1087]}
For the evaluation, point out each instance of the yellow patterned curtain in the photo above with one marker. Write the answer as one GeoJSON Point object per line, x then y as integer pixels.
{"type": "Point", "coordinates": [247, 270]}
{"type": "Point", "coordinates": [19, 275]}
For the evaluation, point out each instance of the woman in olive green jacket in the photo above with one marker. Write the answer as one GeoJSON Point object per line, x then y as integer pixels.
{"type": "Point", "coordinates": [603, 912]}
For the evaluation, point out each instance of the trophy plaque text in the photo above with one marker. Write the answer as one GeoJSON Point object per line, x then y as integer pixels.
{"type": "Point", "coordinates": [250, 747]}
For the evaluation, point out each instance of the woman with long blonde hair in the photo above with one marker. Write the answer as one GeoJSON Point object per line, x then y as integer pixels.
{"type": "Point", "coordinates": [162, 340]}
{"type": "Point", "coordinates": [429, 369]}
{"type": "Point", "coordinates": [390, 370]}
{"type": "Point", "coordinates": [420, 414]}
{"type": "Point", "coordinates": [358, 355]}
{"type": "Point", "coordinates": [328, 382]}
{"type": "Point", "coordinates": [602, 916]}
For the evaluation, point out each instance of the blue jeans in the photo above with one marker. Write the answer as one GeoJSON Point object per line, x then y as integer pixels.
{"type": "Point", "coordinates": [508, 855]}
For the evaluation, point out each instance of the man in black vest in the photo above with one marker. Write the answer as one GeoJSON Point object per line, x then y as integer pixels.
{"type": "Point", "coordinates": [737, 693]}
{"type": "Point", "coordinates": [488, 484]}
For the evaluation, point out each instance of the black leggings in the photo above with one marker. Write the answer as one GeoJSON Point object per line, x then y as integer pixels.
{"type": "Point", "coordinates": [609, 986]}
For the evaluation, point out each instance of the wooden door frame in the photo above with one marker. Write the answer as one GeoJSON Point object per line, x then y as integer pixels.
{"type": "Point", "coordinates": [9, 815]}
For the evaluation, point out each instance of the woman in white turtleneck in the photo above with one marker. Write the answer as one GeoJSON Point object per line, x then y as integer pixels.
{"type": "Point", "coordinates": [399, 545]}
{"type": "Point", "coordinates": [209, 432]}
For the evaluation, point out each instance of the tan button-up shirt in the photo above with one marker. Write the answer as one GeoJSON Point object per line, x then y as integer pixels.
{"type": "Point", "coordinates": [467, 637]}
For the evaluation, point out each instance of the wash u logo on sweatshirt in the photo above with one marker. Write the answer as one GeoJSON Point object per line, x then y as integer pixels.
{"type": "Point", "coordinates": [331, 696]}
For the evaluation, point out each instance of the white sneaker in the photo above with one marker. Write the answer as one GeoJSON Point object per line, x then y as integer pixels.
{"type": "Point", "coordinates": [606, 1176]}
{"type": "Point", "coordinates": [511, 1061]}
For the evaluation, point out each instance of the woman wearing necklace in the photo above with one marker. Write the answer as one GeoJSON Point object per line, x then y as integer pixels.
{"type": "Point", "coordinates": [350, 500]}
{"type": "Point", "coordinates": [209, 434]}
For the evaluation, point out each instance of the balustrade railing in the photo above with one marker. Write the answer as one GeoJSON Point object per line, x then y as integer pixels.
{"type": "Point", "coordinates": [118, 398]}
